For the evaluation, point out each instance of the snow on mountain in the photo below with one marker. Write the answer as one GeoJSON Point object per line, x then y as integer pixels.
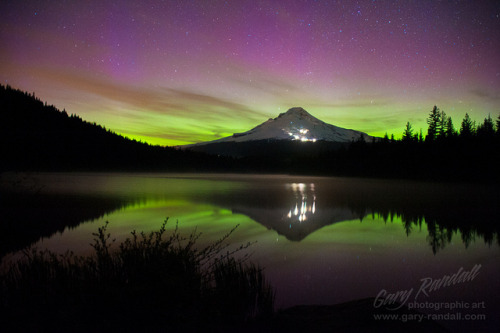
{"type": "Point", "coordinates": [295, 124]}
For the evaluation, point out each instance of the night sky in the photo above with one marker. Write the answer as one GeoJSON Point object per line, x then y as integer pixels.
{"type": "Point", "coordinates": [177, 72]}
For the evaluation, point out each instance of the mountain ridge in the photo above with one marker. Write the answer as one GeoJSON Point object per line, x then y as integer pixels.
{"type": "Point", "coordinates": [294, 125]}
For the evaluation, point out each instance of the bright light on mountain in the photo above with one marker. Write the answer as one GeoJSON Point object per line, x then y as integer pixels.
{"type": "Point", "coordinates": [299, 134]}
{"type": "Point", "coordinates": [294, 125]}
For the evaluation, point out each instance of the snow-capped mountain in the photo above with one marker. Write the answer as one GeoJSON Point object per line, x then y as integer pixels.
{"type": "Point", "coordinates": [295, 124]}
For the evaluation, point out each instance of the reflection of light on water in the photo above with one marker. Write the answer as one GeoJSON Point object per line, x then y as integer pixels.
{"type": "Point", "coordinates": [307, 208]}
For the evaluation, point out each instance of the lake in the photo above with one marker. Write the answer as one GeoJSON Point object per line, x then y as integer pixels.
{"type": "Point", "coordinates": [319, 240]}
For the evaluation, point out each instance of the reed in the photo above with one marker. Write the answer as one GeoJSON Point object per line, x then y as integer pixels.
{"type": "Point", "coordinates": [162, 279]}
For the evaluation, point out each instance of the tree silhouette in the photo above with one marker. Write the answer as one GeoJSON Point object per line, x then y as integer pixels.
{"type": "Point", "coordinates": [408, 133]}
{"type": "Point", "coordinates": [434, 121]}
{"type": "Point", "coordinates": [467, 128]}
{"type": "Point", "coordinates": [498, 125]}
{"type": "Point", "coordinates": [386, 138]}
{"type": "Point", "coordinates": [487, 128]}
{"type": "Point", "coordinates": [449, 129]}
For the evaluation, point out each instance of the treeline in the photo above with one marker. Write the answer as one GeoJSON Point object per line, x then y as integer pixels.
{"type": "Point", "coordinates": [441, 128]}
{"type": "Point", "coordinates": [442, 154]}
{"type": "Point", "coordinates": [35, 136]}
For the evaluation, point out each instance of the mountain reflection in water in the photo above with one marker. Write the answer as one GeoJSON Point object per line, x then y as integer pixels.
{"type": "Point", "coordinates": [294, 207]}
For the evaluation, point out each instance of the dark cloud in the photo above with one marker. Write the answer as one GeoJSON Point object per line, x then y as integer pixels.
{"type": "Point", "coordinates": [485, 94]}
{"type": "Point", "coordinates": [167, 101]}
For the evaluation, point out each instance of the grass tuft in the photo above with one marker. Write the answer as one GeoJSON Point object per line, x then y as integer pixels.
{"type": "Point", "coordinates": [158, 281]}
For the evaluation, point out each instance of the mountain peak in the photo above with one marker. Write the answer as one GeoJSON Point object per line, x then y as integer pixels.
{"type": "Point", "coordinates": [295, 124]}
{"type": "Point", "coordinates": [296, 111]}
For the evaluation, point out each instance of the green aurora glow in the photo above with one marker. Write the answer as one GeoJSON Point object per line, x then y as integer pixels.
{"type": "Point", "coordinates": [172, 73]}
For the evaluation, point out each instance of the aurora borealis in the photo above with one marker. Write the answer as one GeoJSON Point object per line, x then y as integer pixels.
{"type": "Point", "coordinates": [177, 72]}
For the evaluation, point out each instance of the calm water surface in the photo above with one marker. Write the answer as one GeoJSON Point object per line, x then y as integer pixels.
{"type": "Point", "coordinates": [320, 240]}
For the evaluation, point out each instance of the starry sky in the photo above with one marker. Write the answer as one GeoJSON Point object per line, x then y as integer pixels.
{"type": "Point", "coordinates": [178, 72]}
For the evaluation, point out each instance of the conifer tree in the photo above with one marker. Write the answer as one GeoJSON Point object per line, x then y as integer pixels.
{"type": "Point", "coordinates": [434, 121]}
{"type": "Point", "coordinates": [407, 133]}
{"type": "Point", "coordinates": [487, 128]}
{"type": "Point", "coordinates": [441, 126]}
{"type": "Point", "coordinates": [498, 125]}
{"type": "Point", "coordinates": [468, 128]}
{"type": "Point", "coordinates": [386, 138]}
{"type": "Point", "coordinates": [449, 129]}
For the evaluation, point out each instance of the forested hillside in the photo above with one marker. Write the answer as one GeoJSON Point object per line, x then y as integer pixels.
{"type": "Point", "coordinates": [37, 136]}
